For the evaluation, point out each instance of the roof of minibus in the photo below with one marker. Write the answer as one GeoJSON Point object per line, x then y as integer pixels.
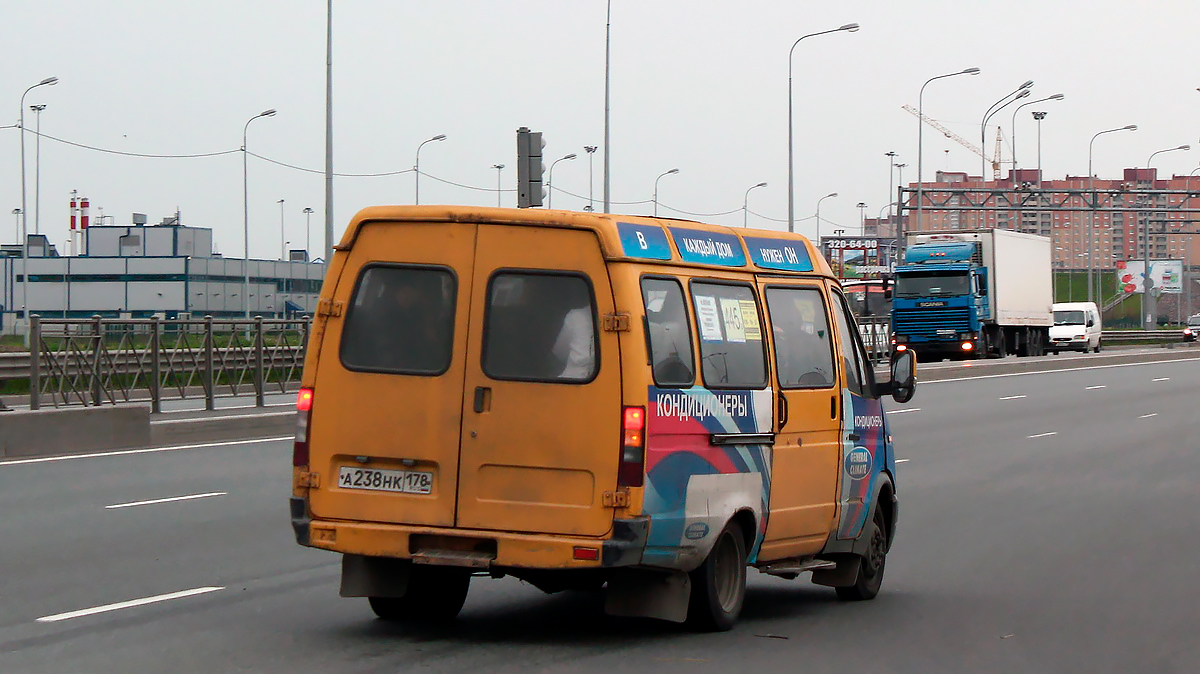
{"type": "Point", "coordinates": [609, 228]}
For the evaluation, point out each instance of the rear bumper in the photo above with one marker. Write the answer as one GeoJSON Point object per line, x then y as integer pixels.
{"type": "Point", "coordinates": [622, 546]}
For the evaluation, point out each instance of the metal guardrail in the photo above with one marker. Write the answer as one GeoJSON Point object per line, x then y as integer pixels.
{"type": "Point", "coordinates": [105, 361]}
{"type": "Point", "coordinates": [876, 332]}
{"type": "Point", "coordinates": [1148, 336]}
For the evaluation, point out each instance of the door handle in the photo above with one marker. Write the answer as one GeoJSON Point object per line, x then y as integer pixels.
{"type": "Point", "coordinates": [483, 399]}
{"type": "Point", "coordinates": [853, 437]}
{"type": "Point", "coordinates": [783, 411]}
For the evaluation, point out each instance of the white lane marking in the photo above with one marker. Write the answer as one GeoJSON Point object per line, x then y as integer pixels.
{"type": "Point", "coordinates": [1043, 435]}
{"type": "Point", "coordinates": [1147, 416]}
{"type": "Point", "coordinates": [1093, 388]}
{"type": "Point", "coordinates": [902, 460]}
{"type": "Point", "coordinates": [1012, 397]}
{"type": "Point", "coordinates": [127, 604]}
{"type": "Point", "coordinates": [1161, 379]}
{"type": "Point", "coordinates": [148, 450]}
{"type": "Point", "coordinates": [189, 497]}
{"type": "Point", "coordinates": [909, 409]}
{"type": "Point", "coordinates": [1071, 369]}
{"type": "Point", "coordinates": [223, 418]}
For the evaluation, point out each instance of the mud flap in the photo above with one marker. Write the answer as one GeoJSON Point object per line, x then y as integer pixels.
{"type": "Point", "coordinates": [843, 576]}
{"type": "Point", "coordinates": [374, 576]}
{"type": "Point", "coordinates": [639, 593]}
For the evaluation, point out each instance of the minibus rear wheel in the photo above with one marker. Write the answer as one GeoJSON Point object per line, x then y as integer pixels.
{"type": "Point", "coordinates": [435, 593]}
{"type": "Point", "coordinates": [870, 568]}
{"type": "Point", "coordinates": [719, 584]}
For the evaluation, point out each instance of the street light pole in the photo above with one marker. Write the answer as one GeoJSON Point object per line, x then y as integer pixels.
{"type": "Point", "coordinates": [550, 179]}
{"type": "Point", "coordinates": [1013, 126]}
{"type": "Point", "coordinates": [591, 153]}
{"type": "Point", "coordinates": [282, 243]}
{"type": "Point", "coordinates": [1092, 211]}
{"type": "Point", "coordinates": [499, 168]}
{"type": "Point", "coordinates": [417, 168]}
{"type": "Point", "coordinates": [660, 176]}
{"type": "Point", "coordinates": [850, 28]}
{"type": "Point", "coordinates": [831, 194]}
{"type": "Point", "coordinates": [862, 218]}
{"type": "Point", "coordinates": [308, 231]}
{"type": "Point", "coordinates": [1019, 93]}
{"type": "Point", "coordinates": [921, 128]}
{"type": "Point", "coordinates": [607, 54]}
{"type": "Point", "coordinates": [746, 203]}
{"type": "Point", "coordinates": [1148, 303]}
{"type": "Point", "coordinates": [16, 224]}
{"type": "Point", "coordinates": [37, 169]}
{"type": "Point", "coordinates": [246, 213]}
{"type": "Point", "coordinates": [328, 132]}
{"type": "Point", "coordinates": [891, 174]}
{"type": "Point", "coordinates": [25, 214]}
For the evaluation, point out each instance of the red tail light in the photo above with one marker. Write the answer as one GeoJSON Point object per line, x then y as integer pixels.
{"type": "Point", "coordinates": [631, 472]}
{"type": "Point", "coordinates": [304, 403]}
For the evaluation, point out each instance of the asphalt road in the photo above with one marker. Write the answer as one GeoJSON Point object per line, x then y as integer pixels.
{"type": "Point", "coordinates": [1048, 524]}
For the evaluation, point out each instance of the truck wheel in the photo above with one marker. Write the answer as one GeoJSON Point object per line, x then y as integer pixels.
{"type": "Point", "coordinates": [870, 568]}
{"type": "Point", "coordinates": [719, 584]}
{"type": "Point", "coordinates": [435, 593]}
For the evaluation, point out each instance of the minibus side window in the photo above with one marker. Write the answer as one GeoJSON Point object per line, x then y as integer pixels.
{"type": "Point", "coordinates": [671, 357]}
{"type": "Point", "coordinates": [540, 327]}
{"type": "Point", "coordinates": [859, 377]}
{"type": "Point", "coordinates": [401, 320]}
{"type": "Point", "coordinates": [803, 345]}
{"type": "Point", "coordinates": [732, 352]}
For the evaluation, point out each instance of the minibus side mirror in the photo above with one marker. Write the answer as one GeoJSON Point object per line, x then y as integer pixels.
{"type": "Point", "coordinates": [1090, 323]}
{"type": "Point", "coordinates": [903, 382]}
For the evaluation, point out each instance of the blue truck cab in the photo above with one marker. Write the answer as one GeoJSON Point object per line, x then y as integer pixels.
{"type": "Point", "coordinates": [940, 299]}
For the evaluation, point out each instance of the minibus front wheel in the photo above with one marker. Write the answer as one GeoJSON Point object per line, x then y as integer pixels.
{"type": "Point", "coordinates": [719, 584]}
{"type": "Point", "coordinates": [435, 593]}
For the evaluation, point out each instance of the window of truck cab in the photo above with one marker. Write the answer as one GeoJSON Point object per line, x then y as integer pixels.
{"type": "Point", "coordinates": [728, 322]}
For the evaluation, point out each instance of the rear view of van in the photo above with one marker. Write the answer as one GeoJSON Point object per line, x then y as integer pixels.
{"type": "Point", "coordinates": [1076, 327]}
{"type": "Point", "coordinates": [581, 402]}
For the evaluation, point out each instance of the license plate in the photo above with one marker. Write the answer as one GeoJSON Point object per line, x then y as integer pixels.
{"type": "Point", "coordinates": [402, 481]}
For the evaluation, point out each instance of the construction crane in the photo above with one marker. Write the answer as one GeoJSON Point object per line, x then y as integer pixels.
{"type": "Point", "coordinates": [962, 141]}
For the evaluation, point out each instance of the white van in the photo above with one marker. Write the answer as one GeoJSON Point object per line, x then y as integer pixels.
{"type": "Point", "coordinates": [1076, 327]}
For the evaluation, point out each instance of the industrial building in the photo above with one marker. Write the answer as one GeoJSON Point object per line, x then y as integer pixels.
{"type": "Point", "coordinates": [140, 270]}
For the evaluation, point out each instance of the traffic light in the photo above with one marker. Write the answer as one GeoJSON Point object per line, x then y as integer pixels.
{"type": "Point", "coordinates": [530, 191]}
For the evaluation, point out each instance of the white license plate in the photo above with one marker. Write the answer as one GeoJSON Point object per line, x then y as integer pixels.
{"type": "Point", "coordinates": [403, 481]}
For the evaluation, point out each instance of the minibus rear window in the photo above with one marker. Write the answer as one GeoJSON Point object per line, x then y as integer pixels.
{"type": "Point", "coordinates": [540, 326]}
{"type": "Point", "coordinates": [401, 320]}
{"type": "Point", "coordinates": [731, 339]}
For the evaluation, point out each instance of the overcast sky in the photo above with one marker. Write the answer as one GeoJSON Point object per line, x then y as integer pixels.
{"type": "Point", "coordinates": [697, 85]}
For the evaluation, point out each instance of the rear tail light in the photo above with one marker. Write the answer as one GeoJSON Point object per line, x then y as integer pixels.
{"type": "Point", "coordinates": [304, 403]}
{"type": "Point", "coordinates": [631, 471]}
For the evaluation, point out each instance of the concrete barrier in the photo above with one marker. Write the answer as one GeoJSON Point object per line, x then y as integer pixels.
{"type": "Point", "coordinates": [215, 427]}
{"type": "Point", "coordinates": [73, 430]}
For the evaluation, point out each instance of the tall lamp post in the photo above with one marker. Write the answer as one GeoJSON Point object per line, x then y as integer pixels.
{"type": "Point", "coordinates": [746, 203]}
{"type": "Point", "coordinates": [921, 127]}
{"type": "Point", "coordinates": [25, 213]}
{"type": "Point", "coordinates": [891, 174]}
{"type": "Point", "coordinates": [37, 169]}
{"type": "Point", "coordinates": [417, 167]}
{"type": "Point", "coordinates": [660, 177]}
{"type": "Point", "coordinates": [862, 217]}
{"type": "Point", "coordinates": [1092, 212]}
{"type": "Point", "coordinates": [499, 168]}
{"type": "Point", "coordinates": [850, 28]}
{"type": "Point", "coordinates": [1013, 135]}
{"type": "Point", "coordinates": [1015, 95]}
{"type": "Point", "coordinates": [308, 231]}
{"type": "Point", "coordinates": [550, 179]}
{"type": "Point", "coordinates": [591, 153]}
{"type": "Point", "coordinates": [246, 212]}
{"type": "Point", "coordinates": [1148, 304]}
{"type": "Point", "coordinates": [16, 224]}
{"type": "Point", "coordinates": [831, 194]}
{"type": "Point", "coordinates": [282, 243]}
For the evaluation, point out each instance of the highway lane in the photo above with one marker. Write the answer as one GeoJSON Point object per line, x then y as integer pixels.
{"type": "Point", "coordinates": [1047, 524]}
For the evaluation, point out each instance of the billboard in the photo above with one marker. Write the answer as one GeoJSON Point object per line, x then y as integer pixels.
{"type": "Point", "coordinates": [859, 257]}
{"type": "Point", "coordinates": [1166, 276]}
